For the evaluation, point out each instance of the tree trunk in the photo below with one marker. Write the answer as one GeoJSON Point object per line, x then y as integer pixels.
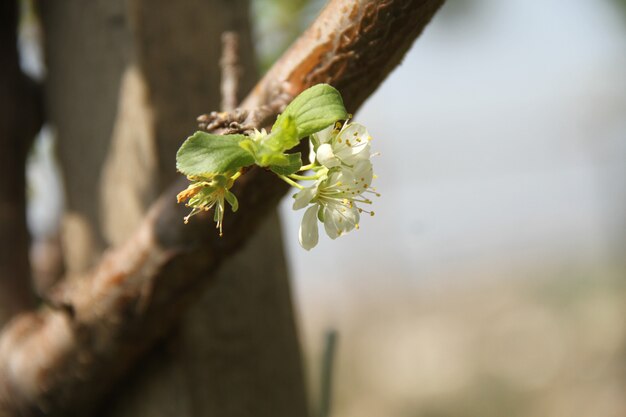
{"type": "Point", "coordinates": [126, 80]}
{"type": "Point", "coordinates": [20, 119]}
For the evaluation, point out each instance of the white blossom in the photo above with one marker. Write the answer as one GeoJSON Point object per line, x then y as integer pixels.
{"type": "Point", "coordinates": [334, 200]}
{"type": "Point", "coordinates": [341, 145]}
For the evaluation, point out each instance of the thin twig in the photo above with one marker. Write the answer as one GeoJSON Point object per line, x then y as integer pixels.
{"type": "Point", "coordinates": [326, 380]}
{"type": "Point", "coordinates": [230, 70]}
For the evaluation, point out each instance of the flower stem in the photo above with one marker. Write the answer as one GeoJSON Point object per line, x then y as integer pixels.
{"type": "Point", "coordinates": [304, 177]}
{"type": "Point", "coordinates": [291, 182]}
{"type": "Point", "coordinates": [307, 167]}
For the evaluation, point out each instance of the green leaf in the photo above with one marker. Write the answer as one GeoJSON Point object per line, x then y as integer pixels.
{"type": "Point", "coordinates": [270, 149]}
{"type": "Point", "coordinates": [203, 153]}
{"type": "Point", "coordinates": [284, 134]}
{"type": "Point", "coordinates": [267, 159]}
{"type": "Point", "coordinates": [292, 165]}
{"type": "Point", "coordinates": [314, 109]}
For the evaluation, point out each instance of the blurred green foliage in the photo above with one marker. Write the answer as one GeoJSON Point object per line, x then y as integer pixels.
{"type": "Point", "coordinates": [278, 23]}
{"type": "Point", "coordinates": [622, 5]}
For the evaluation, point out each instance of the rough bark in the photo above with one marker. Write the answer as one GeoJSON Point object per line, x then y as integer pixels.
{"type": "Point", "coordinates": [20, 119]}
{"type": "Point", "coordinates": [87, 47]}
{"type": "Point", "coordinates": [150, 67]}
{"type": "Point", "coordinates": [246, 317]}
{"type": "Point", "coordinates": [138, 291]}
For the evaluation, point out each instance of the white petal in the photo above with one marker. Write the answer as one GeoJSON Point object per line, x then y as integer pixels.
{"type": "Point", "coordinates": [354, 131]}
{"type": "Point", "coordinates": [323, 136]}
{"type": "Point", "coordinates": [340, 219]}
{"type": "Point", "coordinates": [308, 235]}
{"type": "Point", "coordinates": [352, 143]}
{"type": "Point", "coordinates": [331, 223]}
{"type": "Point", "coordinates": [304, 197]}
{"type": "Point", "coordinates": [364, 172]}
{"type": "Point", "coordinates": [311, 152]}
{"type": "Point", "coordinates": [326, 156]}
{"type": "Point", "coordinates": [357, 178]}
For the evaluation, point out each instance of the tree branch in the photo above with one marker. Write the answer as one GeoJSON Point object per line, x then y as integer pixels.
{"type": "Point", "coordinates": [59, 360]}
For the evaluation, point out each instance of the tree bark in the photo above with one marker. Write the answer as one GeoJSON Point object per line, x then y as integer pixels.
{"type": "Point", "coordinates": [20, 119]}
{"type": "Point", "coordinates": [137, 292]}
{"type": "Point", "coordinates": [136, 76]}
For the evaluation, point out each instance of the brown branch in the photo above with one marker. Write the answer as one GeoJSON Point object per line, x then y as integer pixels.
{"type": "Point", "coordinates": [61, 359]}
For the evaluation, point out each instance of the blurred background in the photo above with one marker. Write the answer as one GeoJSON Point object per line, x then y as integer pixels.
{"type": "Point", "coordinates": [491, 280]}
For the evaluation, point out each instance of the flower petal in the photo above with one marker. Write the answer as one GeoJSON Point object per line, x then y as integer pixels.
{"type": "Point", "coordinates": [352, 144]}
{"type": "Point", "coordinates": [311, 152]}
{"type": "Point", "coordinates": [326, 156]}
{"type": "Point", "coordinates": [323, 136]}
{"type": "Point", "coordinates": [304, 197]}
{"type": "Point", "coordinates": [331, 223]}
{"type": "Point", "coordinates": [308, 235]}
{"type": "Point", "coordinates": [232, 200]}
{"type": "Point", "coordinates": [339, 219]}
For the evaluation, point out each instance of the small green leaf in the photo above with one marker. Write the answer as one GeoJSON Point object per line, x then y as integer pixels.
{"type": "Point", "coordinates": [203, 153]}
{"type": "Point", "coordinates": [293, 165]}
{"type": "Point", "coordinates": [269, 150]}
{"type": "Point", "coordinates": [267, 159]}
{"type": "Point", "coordinates": [250, 146]}
{"type": "Point", "coordinates": [284, 134]}
{"type": "Point", "coordinates": [314, 109]}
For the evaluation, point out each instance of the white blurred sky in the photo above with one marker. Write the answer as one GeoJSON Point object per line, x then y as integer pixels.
{"type": "Point", "coordinates": [503, 141]}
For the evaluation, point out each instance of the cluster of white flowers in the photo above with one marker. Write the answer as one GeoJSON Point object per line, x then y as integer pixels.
{"type": "Point", "coordinates": [339, 167]}
{"type": "Point", "coordinates": [340, 156]}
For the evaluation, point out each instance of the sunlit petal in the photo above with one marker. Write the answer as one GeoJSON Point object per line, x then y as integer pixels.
{"type": "Point", "coordinates": [308, 235]}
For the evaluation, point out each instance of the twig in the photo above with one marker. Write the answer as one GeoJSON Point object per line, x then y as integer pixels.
{"type": "Point", "coordinates": [230, 70]}
{"type": "Point", "coordinates": [326, 380]}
